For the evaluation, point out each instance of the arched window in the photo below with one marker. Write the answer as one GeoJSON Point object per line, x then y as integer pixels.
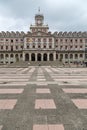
{"type": "Point", "coordinates": [71, 56]}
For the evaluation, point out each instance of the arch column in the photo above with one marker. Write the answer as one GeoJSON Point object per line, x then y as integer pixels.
{"type": "Point", "coordinates": [29, 56]}
{"type": "Point", "coordinates": [54, 56]}
{"type": "Point", "coordinates": [9, 58]}
{"type": "Point", "coordinates": [23, 56]}
{"type": "Point", "coordinates": [4, 59]}
{"type": "Point", "coordinates": [35, 56]}
{"type": "Point", "coordinates": [47, 56]}
{"type": "Point", "coordinates": [41, 56]}
{"type": "Point", "coordinates": [14, 58]}
{"type": "Point", "coordinates": [64, 57]}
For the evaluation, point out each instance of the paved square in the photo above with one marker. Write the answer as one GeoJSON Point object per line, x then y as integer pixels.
{"type": "Point", "coordinates": [43, 98]}
{"type": "Point", "coordinates": [48, 127]}
{"type": "Point", "coordinates": [42, 90]}
{"type": "Point", "coordinates": [44, 104]}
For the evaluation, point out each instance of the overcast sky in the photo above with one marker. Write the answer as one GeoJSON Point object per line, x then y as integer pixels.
{"type": "Point", "coordinates": [60, 15]}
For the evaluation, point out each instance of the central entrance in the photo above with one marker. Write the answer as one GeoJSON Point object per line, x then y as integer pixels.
{"type": "Point", "coordinates": [39, 57]}
{"type": "Point", "coordinates": [33, 57]}
{"type": "Point", "coordinates": [45, 57]}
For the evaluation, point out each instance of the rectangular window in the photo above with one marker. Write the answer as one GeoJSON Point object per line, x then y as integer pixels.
{"type": "Point", "coordinates": [11, 41]}
{"type": "Point", "coordinates": [6, 47]}
{"type": "Point", "coordinates": [1, 47]}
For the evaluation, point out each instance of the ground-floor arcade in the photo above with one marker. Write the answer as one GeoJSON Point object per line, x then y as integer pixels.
{"type": "Point", "coordinates": [13, 57]}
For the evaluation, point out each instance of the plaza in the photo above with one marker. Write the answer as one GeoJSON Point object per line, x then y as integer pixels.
{"type": "Point", "coordinates": [43, 98]}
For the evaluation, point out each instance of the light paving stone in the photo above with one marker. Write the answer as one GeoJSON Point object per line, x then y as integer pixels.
{"type": "Point", "coordinates": [1, 127]}
{"type": "Point", "coordinates": [80, 103]}
{"type": "Point", "coordinates": [42, 83]}
{"type": "Point", "coordinates": [41, 79]}
{"type": "Point", "coordinates": [7, 103]}
{"type": "Point", "coordinates": [75, 90]}
{"type": "Point", "coordinates": [45, 104]}
{"type": "Point", "coordinates": [11, 91]}
{"type": "Point", "coordinates": [43, 90]}
{"type": "Point", "coordinates": [48, 127]}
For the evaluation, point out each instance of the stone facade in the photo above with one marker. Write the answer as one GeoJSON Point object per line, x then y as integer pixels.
{"type": "Point", "coordinates": [39, 44]}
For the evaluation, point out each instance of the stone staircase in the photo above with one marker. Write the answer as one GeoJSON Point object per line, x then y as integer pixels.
{"type": "Point", "coordinates": [36, 63]}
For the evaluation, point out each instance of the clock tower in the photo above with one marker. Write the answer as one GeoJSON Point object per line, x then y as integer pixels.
{"type": "Point", "coordinates": [39, 19]}
{"type": "Point", "coordinates": [39, 23]}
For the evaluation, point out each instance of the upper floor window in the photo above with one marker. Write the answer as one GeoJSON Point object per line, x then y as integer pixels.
{"type": "Point", "coordinates": [61, 47]}
{"type": "Point", "coordinates": [11, 48]}
{"type": "Point", "coordinates": [81, 55]}
{"type": "Point", "coordinates": [44, 46]}
{"type": "Point", "coordinates": [21, 47]}
{"type": "Point", "coordinates": [56, 40]}
{"type": "Point", "coordinates": [66, 47]}
{"type": "Point", "coordinates": [39, 46]}
{"type": "Point", "coordinates": [39, 40]}
{"type": "Point", "coordinates": [1, 47]}
{"type": "Point", "coordinates": [16, 47]}
{"type": "Point", "coordinates": [44, 40]}
{"type": "Point", "coordinates": [75, 46]}
{"type": "Point", "coordinates": [61, 40]}
{"type": "Point", "coordinates": [11, 41]}
{"type": "Point", "coordinates": [6, 40]}
{"type": "Point", "coordinates": [66, 40]}
{"type": "Point", "coordinates": [71, 40]}
{"type": "Point", "coordinates": [6, 47]}
{"type": "Point", "coordinates": [50, 46]}
{"type": "Point", "coordinates": [21, 40]}
{"type": "Point", "coordinates": [81, 40]}
{"type": "Point", "coordinates": [50, 39]}
{"type": "Point", "coordinates": [33, 46]}
{"type": "Point", "coordinates": [27, 47]}
{"type": "Point", "coordinates": [76, 40]}
{"type": "Point", "coordinates": [16, 40]}
{"type": "Point", "coordinates": [86, 40]}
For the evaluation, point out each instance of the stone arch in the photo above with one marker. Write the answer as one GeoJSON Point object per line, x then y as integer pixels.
{"type": "Point", "coordinates": [32, 57]}
{"type": "Point", "coordinates": [2, 56]}
{"type": "Point", "coordinates": [51, 57]}
{"type": "Point", "coordinates": [44, 57]}
{"type": "Point", "coordinates": [6, 55]}
{"type": "Point", "coordinates": [66, 56]}
{"type": "Point", "coordinates": [26, 57]}
{"type": "Point", "coordinates": [38, 57]}
{"type": "Point", "coordinates": [11, 55]}
{"type": "Point", "coordinates": [76, 56]}
{"type": "Point", "coordinates": [56, 56]}
{"type": "Point", "coordinates": [71, 56]}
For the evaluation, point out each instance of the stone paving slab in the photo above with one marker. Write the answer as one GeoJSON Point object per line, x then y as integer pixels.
{"type": "Point", "coordinates": [44, 104]}
{"type": "Point", "coordinates": [55, 103]}
{"type": "Point", "coordinates": [48, 127]}
{"type": "Point", "coordinates": [80, 103]}
{"type": "Point", "coordinates": [7, 103]}
{"type": "Point", "coordinates": [1, 127]}
{"type": "Point", "coordinates": [11, 91]}
{"type": "Point", "coordinates": [42, 90]}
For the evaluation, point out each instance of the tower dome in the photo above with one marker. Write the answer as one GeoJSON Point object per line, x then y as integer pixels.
{"type": "Point", "coordinates": [39, 18]}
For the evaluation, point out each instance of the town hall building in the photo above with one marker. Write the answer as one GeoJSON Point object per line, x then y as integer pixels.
{"type": "Point", "coordinates": [40, 44]}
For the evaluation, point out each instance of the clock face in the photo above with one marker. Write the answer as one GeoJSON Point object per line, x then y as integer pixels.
{"type": "Point", "coordinates": [39, 21]}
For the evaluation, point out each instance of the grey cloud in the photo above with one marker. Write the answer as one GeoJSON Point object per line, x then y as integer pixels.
{"type": "Point", "coordinates": [61, 15]}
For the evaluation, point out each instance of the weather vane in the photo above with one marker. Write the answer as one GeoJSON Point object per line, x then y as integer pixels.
{"type": "Point", "coordinates": [39, 9]}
